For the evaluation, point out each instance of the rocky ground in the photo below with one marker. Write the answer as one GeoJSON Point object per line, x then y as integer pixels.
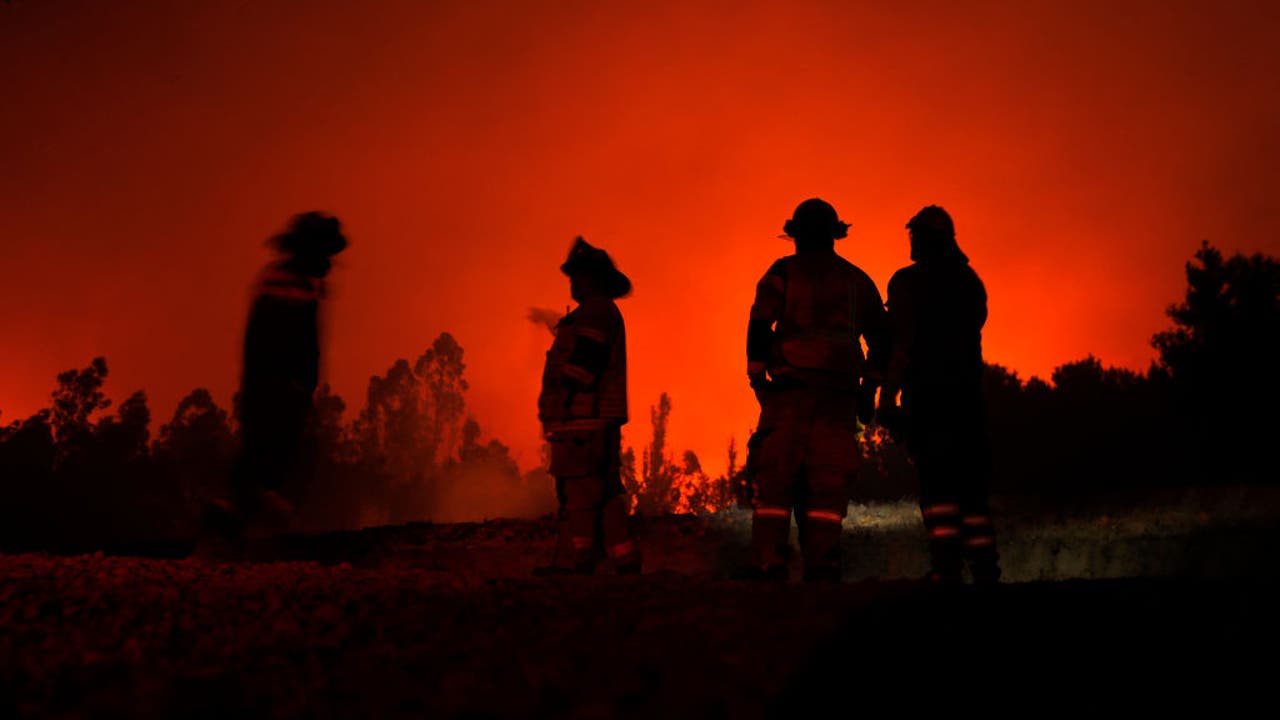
{"type": "Point", "coordinates": [445, 621]}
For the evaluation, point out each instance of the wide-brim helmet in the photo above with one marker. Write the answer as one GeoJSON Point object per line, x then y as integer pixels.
{"type": "Point", "coordinates": [815, 217]}
{"type": "Point", "coordinates": [586, 258]}
{"type": "Point", "coordinates": [932, 220]}
{"type": "Point", "coordinates": [311, 234]}
{"type": "Point", "coordinates": [933, 236]}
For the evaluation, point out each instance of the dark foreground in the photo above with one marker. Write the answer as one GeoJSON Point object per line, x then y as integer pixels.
{"type": "Point", "coordinates": [445, 622]}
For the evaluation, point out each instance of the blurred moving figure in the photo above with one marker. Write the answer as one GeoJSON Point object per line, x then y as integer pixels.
{"type": "Point", "coordinates": [583, 407]}
{"type": "Point", "coordinates": [281, 371]}
{"type": "Point", "coordinates": [805, 362]}
{"type": "Point", "coordinates": [937, 307]}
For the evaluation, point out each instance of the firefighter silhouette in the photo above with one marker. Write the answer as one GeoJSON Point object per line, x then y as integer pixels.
{"type": "Point", "coordinates": [806, 364]}
{"type": "Point", "coordinates": [582, 407]}
{"type": "Point", "coordinates": [280, 372]}
{"type": "Point", "coordinates": [937, 307]}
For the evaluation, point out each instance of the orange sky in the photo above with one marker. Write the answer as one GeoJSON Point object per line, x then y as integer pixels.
{"type": "Point", "coordinates": [148, 147]}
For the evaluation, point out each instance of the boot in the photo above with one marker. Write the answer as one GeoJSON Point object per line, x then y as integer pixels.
{"type": "Point", "coordinates": [823, 573]}
{"type": "Point", "coordinates": [985, 573]}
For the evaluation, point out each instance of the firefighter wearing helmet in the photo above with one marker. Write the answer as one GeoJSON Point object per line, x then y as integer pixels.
{"type": "Point", "coordinates": [280, 374]}
{"type": "Point", "coordinates": [937, 307]}
{"type": "Point", "coordinates": [582, 407]}
{"type": "Point", "coordinates": [805, 362]}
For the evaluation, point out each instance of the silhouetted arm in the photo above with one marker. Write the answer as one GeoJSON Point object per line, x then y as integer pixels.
{"type": "Point", "coordinates": [593, 328]}
{"type": "Point", "coordinates": [874, 323]}
{"type": "Point", "coordinates": [766, 310]}
{"type": "Point", "coordinates": [589, 359]}
{"type": "Point", "coordinates": [902, 334]}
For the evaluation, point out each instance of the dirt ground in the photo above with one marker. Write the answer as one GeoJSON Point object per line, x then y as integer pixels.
{"type": "Point", "coordinates": [445, 621]}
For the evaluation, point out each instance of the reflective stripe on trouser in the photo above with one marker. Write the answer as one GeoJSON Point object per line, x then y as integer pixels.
{"type": "Point", "coordinates": [949, 446]}
{"type": "Point", "coordinates": [820, 541]}
{"type": "Point", "coordinates": [806, 455]}
{"type": "Point", "coordinates": [770, 534]}
{"type": "Point", "coordinates": [624, 550]}
{"type": "Point", "coordinates": [960, 533]}
{"type": "Point", "coordinates": [980, 545]}
{"type": "Point", "coordinates": [593, 525]}
{"type": "Point", "coordinates": [943, 526]}
{"type": "Point", "coordinates": [615, 527]}
{"type": "Point", "coordinates": [593, 510]}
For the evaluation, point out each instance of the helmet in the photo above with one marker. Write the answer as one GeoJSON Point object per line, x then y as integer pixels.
{"type": "Point", "coordinates": [815, 217]}
{"type": "Point", "coordinates": [586, 258]}
{"type": "Point", "coordinates": [933, 237]}
{"type": "Point", "coordinates": [312, 234]}
{"type": "Point", "coordinates": [932, 221]}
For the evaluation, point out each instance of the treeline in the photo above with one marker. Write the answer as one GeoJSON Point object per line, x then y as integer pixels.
{"type": "Point", "coordinates": [78, 473]}
{"type": "Point", "coordinates": [1204, 414]}
{"type": "Point", "coordinates": [658, 484]}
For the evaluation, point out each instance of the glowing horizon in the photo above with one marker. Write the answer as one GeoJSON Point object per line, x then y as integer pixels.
{"type": "Point", "coordinates": [1084, 151]}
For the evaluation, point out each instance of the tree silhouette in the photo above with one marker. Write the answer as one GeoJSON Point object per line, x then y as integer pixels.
{"type": "Point", "coordinates": [390, 435]}
{"type": "Point", "coordinates": [123, 440]}
{"type": "Point", "coordinates": [440, 369]}
{"type": "Point", "coordinates": [735, 477]}
{"type": "Point", "coordinates": [631, 479]}
{"type": "Point", "coordinates": [657, 494]}
{"type": "Point", "coordinates": [326, 425]}
{"type": "Point", "coordinates": [197, 448]}
{"type": "Point", "coordinates": [411, 427]}
{"type": "Point", "coordinates": [78, 396]}
{"type": "Point", "coordinates": [27, 452]}
{"type": "Point", "coordinates": [1221, 357]}
{"type": "Point", "coordinates": [493, 457]}
{"type": "Point", "coordinates": [73, 473]}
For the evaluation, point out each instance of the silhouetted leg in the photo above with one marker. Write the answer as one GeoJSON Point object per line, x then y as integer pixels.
{"type": "Point", "coordinates": [621, 547]}
{"type": "Point", "coordinates": [824, 521]}
{"type": "Point", "coordinates": [978, 529]}
{"type": "Point", "coordinates": [563, 557]}
{"type": "Point", "coordinates": [576, 463]}
{"type": "Point", "coordinates": [304, 465]}
{"type": "Point", "coordinates": [584, 497]}
{"type": "Point", "coordinates": [832, 459]}
{"type": "Point", "coordinates": [615, 522]}
{"type": "Point", "coordinates": [263, 455]}
{"type": "Point", "coordinates": [941, 510]}
{"type": "Point", "coordinates": [272, 427]}
{"type": "Point", "coordinates": [771, 525]}
{"type": "Point", "coordinates": [228, 517]}
{"type": "Point", "coordinates": [931, 443]}
{"type": "Point", "coordinates": [980, 545]}
{"type": "Point", "coordinates": [778, 457]}
{"type": "Point", "coordinates": [771, 516]}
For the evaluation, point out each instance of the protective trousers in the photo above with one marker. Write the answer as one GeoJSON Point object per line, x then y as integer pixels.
{"type": "Point", "coordinates": [272, 425]}
{"type": "Point", "coordinates": [806, 457]}
{"type": "Point", "coordinates": [593, 506]}
{"type": "Point", "coordinates": [947, 441]}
